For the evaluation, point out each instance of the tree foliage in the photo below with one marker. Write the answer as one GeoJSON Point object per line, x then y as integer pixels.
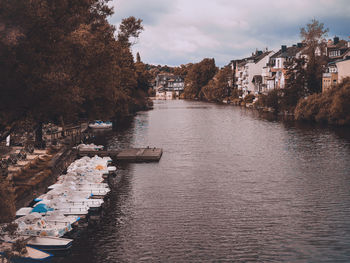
{"type": "Point", "coordinates": [313, 37]}
{"type": "Point", "coordinates": [61, 61]}
{"type": "Point", "coordinates": [217, 88]}
{"type": "Point", "coordinates": [198, 76]}
{"type": "Point", "coordinates": [130, 28]}
{"type": "Point", "coordinates": [295, 87]}
{"type": "Point", "coordinates": [329, 107]}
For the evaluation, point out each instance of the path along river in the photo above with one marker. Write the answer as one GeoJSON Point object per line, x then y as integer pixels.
{"type": "Point", "coordinates": [230, 187]}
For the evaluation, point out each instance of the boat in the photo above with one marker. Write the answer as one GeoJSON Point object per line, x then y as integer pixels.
{"type": "Point", "coordinates": [101, 125]}
{"type": "Point", "coordinates": [35, 224]}
{"type": "Point", "coordinates": [31, 255]}
{"type": "Point", "coordinates": [89, 147]}
{"type": "Point", "coordinates": [50, 243]}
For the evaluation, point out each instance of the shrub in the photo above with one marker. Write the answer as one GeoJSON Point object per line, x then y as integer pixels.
{"type": "Point", "coordinates": [249, 98]}
{"type": "Point", "coordinates": [329, 107]}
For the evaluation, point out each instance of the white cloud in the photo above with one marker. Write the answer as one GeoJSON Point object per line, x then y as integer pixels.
{"type": "Point", "coordinates": [182, 31]}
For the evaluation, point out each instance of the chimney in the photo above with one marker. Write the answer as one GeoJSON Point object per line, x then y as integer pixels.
{"type": "Point", "coordinates": [335, 40]}
{"type": "Point", "coordinates": [299, 45]}
{"type": "Point", "coordinates": [284, 48]}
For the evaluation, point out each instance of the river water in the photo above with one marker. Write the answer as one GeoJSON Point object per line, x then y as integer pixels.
{"type": "Point", "coordinates": [230, 186]}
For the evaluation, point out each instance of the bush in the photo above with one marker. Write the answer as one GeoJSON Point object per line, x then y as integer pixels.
{"type": "Point", "coordinates": [249, 98]}
{"type": "Point", "coordinates": [329, 107]}
{"type": "Point", "coordinates": [271, 100]}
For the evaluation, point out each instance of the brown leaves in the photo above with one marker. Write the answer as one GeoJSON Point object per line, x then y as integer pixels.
{"type": "Point", "coordinates": [332, 107]}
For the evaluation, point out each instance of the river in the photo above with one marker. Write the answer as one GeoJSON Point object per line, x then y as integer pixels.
{"type": "Point", "coordinates": [230, 186]}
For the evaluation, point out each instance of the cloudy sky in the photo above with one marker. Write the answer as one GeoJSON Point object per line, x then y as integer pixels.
{"type": "Point", "coordinates": [182, 31]}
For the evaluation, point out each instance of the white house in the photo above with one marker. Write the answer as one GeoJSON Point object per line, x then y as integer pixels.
{"type": "Point", "coordinates": [249, 72]}
{"type": "Point", "coordinates": [276, 75]}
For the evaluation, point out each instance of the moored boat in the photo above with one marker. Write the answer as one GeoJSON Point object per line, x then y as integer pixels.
{"type": "Point", "coordinates": [50, 243]}
{"type": "Point", "coordinates": [31, 255]}
{"type": "Point", "coordinates": [101, 125]}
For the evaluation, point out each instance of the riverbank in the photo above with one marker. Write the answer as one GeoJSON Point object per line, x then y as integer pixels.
{"type": "Point", "coordinates": [27, 171]}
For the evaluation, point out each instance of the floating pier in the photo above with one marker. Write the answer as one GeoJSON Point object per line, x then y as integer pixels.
{"type": "Point", "coordinates": [128, 155]}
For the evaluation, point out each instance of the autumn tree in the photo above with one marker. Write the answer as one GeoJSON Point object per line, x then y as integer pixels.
{"type": "Point", "coordinates": [198, 76]}
{"type": "Point", "coordinates": [61, 61]}
{"type": "Point", "coordinates": [295, 87]}
{"type": "Point", "coordinates": [182, 71]}
{"type": "Point", "coordinates": [129, 30]}
{"type": "Point", "coordinates": [313, 37]}
{"type": "Point", "coordinates": [217, 88]}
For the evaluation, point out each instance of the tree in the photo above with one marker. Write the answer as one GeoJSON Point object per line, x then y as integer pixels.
{"type": "Point", "coordinates": [330, 107]}
{"type": "Point", "coordinates": [198, 76]}
{"type": "Point", "coordinates": [295, 87]}
{"type": "Point", "coordinates": [217, 88]}
{"type": "Point", "coordinates": [61, 61]}
{"type": "Point", "coordinates": [129, 28]}
{"type": "Point", "coordinates": [313, 37]}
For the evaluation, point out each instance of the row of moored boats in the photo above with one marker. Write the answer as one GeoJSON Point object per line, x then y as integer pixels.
{"type": "Point", "coordinates": [71, 199]}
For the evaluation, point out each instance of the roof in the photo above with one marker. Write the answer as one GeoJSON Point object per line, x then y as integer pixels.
{"type": "Point", "coordinates": [254, 58]}
{"type": "Point", "coordinates": [342, 60]}
{"type": "Point", "coordinates": [260, 57]}
{"type": "Point", "coordinates": [290, 52]}
{"type": "Point", "coordinates": [340, 45]}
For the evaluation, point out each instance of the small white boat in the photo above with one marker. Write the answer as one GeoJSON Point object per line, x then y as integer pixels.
{"type": "Point", "coordinates": [35, 224]}
{"type": "Point", "coordinates": [50, 243]}
{"type": "Point", "coordinates": [31, 255]}
{"type": "Point", "coordinates": [89, 147]}
{"type": "Point", "coordinates": [101, 125]}
{"type": "Point", "coordinates": [23, 211]}
{"type": "Point", "coordinates": [76, 211]}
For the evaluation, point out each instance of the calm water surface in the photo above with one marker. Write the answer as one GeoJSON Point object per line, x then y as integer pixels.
{"type": "Point", "coordinates": [229, 187]}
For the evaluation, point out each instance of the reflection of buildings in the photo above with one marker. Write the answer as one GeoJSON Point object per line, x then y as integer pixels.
{"type": "Point", "coordinates": [168, 86]}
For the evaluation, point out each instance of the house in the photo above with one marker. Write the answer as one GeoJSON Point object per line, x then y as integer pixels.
{"type": "Point", "coordinates": [338, 68]}
{"type": "Point", "coordinates": [330, 77]}
{"type": "Point", "coordinates": [343, 67]}
{"type": "Point", "coordinates": [169, 86]}
{"type": "Point", "coordinates": [336, 49]}
{"type": "Point", "coordinates": [247, 72]}
{"type": "Point", "coordinates": [275, 71]}
{"type": "Point", "coordinates": [170, 82]}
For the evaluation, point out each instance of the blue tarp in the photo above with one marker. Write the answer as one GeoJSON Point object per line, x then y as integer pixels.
{"type": "Point", "coordinates": [41, 208]}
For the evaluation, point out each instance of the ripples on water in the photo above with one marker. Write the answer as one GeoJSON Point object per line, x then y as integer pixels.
{"type": "Point", "coordinates": [229, 187]}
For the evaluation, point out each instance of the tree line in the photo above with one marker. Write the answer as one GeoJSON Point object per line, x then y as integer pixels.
{"type": "Point", "coordinates": [61, 60]}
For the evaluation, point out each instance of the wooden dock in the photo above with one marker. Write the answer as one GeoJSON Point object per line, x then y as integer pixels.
{"type": "Point", "coordinates": [129, 155]}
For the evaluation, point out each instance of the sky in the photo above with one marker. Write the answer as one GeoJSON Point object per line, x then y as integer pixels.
{"type": "Point", "coordinates": [186, 31]}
